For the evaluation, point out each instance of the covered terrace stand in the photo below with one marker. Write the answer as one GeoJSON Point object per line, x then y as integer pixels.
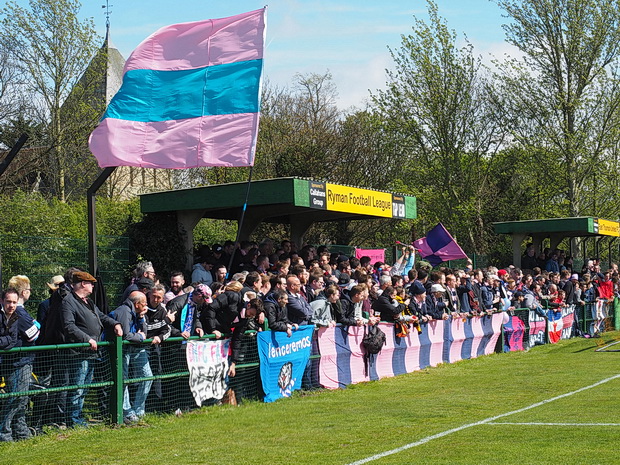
{"type": "Point", "coordinates": [557, 229]}
{"type": "Point", "coordinates": [295, 201]}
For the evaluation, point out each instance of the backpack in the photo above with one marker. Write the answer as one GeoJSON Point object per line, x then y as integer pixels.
{"type": "Point", "coordinates": [374, 340]}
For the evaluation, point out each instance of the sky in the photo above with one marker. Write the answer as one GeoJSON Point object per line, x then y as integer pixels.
{"type": "Point", "coordinates": [348, 38]}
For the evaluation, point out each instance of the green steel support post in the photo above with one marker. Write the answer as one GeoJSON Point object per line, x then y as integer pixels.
{"type": "Point", "coordinates": [116, 368]}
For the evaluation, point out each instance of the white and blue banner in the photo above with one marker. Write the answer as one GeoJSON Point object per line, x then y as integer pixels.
{"type": "Point", "coordinates": [283, 360]}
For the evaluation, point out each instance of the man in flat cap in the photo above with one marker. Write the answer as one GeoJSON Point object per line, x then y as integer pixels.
{"type": "Point", "coordinates": [82, 322]}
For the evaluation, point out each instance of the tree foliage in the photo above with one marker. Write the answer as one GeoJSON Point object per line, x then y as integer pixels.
{"type": "Point", "coordinates": [563, 95]}
{"type": "Point", "coordinates": [437, 112]}
{"type": "Point", "coordinates": [52, 48]}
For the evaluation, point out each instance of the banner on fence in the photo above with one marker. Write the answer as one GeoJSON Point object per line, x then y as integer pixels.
{"type": "Point", "coordinates": [560, 323]}
{"type": "Point", "coordinates": [207, 362]}
{"type": "Point", "coordinates": [514, 331]}
{"type": "Point", "coordinates": [283, 360]}
{"type": "Point", "coordinates": [343, 362]}
{"type": "Point", "coordinates": [376, 255]}
{"type": "Point", "coordinates": [537, 329]}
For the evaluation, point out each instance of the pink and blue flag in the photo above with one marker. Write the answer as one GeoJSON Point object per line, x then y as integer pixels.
{"type": "Point", "coordinates": [439, 246]}
{"type": "Point", "coordinates": [189, 98]}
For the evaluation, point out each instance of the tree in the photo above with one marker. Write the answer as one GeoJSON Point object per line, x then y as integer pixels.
{"type": "Point", "coordinates": [11, 80]}
{"type": "Point", "coordinates": [437, 114]}
{"type": "Point", "coordinates": [299, 128]}
{"type": "Point", "coordinates": [563, 96]}
{"type": "Point", "coordinates": [53, 48]}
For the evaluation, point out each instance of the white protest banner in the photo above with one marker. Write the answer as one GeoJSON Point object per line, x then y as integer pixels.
{"type": "Point", "coordinates": [207, 362]}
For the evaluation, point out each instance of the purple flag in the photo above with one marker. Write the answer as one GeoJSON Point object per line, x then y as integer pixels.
{"type": "Point", "coordinates": [439, 246]}
{"type": "Point", "coordinates": [189, 98]}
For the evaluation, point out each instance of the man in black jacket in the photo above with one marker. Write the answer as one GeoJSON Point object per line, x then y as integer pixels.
{"type": "Point", "coordinates": [82, 322]}
{"type": "Point", "coordinates": [387, 307]}
{"type": "Point", "coordinates": [15, 370]}
{"type": "Point", "coordinates": [277, 316]}
{"type": "Point", "coordinates": [349, 301]}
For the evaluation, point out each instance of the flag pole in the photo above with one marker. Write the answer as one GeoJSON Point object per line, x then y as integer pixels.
{"type": "Point", "coordinates": [240, 224]}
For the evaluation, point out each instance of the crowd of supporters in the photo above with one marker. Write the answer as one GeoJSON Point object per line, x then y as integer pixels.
{"type": "Point", "coordinates": [268, 286]}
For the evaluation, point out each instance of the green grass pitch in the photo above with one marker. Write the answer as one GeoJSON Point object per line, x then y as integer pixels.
{"type": "Point", "coordinates": [423, 410]}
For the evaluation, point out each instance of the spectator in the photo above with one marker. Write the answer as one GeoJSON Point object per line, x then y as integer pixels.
{"type": "Point", "coordinates": [387, 307]}
{"type": "Point", "coordinates": [252, 283]}
{"type": "Point", "coordinates": [220, 314]}
{"type": "Point", "coordinates": [298, 308]}
{"type": "Point", "coordinates": [83, 322]}
{"type": "Point", "coordinates": [325, 310]}
{"type": "Point", "coordinates": [277, 316]}
{"type": "Point", "coordinates": [177, 281]}
{"type": "Point", "coordinates": [351, 304]}
{"type": "Point", "coordinates": [262, 264]}
{"type": "Point", "coordinates": [144, 269]}
{"type": "Point", "coordinates": [528, 260]}
{"type": "Point", "coordinates": [315, 287]}
{"type": "Point", "coordinates": [15, 331]}
{"type": "Point", "coordinates": [219, 257]}
{"type": "Point", "coordinates": [44, 306]}
{"type": "Point", "coordinates": [144, 285]}
{"type": "Point", "coordinates": [552, 264]}
{"type": "Point", "coordinates": [249, 314]}
{"type": "Point", "coordinates": [417, 304]}
{"type": "Point", "coordinates": [201, 271]}
{"type": "Point", "coordinates": [220, 274]}
{"type": "Point", "coordinates": [435, 303]}
{"type": "Point", "coordinates": [454, 303]}
{"type": "Point", "coordinates": [185, 310]}
{"type": "Point", "coordinates": [131, 316]}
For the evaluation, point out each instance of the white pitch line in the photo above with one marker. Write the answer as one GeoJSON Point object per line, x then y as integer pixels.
{"type": "Point", "coordinates": [478, 423]}
{"type": "Point", "coordinates": [554, 424]}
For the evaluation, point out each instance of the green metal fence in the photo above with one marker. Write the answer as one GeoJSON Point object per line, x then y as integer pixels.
{"type": "Point", "coordinates": [50, 389]}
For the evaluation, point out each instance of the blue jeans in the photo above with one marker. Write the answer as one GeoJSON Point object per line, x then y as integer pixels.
{"type": "Point", "coordinates": [80, 373]}
{"type": "Point", "coordinates": [136, 365]}
{"type": "Point", "coordinates": [14, 409]}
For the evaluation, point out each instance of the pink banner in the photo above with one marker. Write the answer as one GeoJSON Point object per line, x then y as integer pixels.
{"type": "Point", "coordinates": [376, 255]}
{"type": "Point", "coordinates": [342, 357]}
{"type": "Point", "coordinates": [435, 334]}
{"type": "Point", "coordinates": [458, 338]}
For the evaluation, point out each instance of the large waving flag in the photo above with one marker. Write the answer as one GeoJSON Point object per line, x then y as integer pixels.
{"type": "Point", "coordinates": [189, 98]}
{"type": "Point", "coordinates": [439, 246]}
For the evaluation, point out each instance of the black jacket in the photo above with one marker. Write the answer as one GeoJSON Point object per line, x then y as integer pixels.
{"type": "Point", "coordinates": [277, 317]}
{"type": "Point", "coordinates": [346, 313]}
{"type": "Point", "coordinates": [8, 331]}
{"type": "Point", "coordinates": [220, 314]}
{"type": "Point", "coordinates": [158, 324]}
{"type": "Point", "coordinates": [176, 306]}
{"type": "Point", "coordinates": [388, 309]}
{"type": "Point", "coordinates": [83, 321]}
{"type": "Point", "coordinates": [52, 329]}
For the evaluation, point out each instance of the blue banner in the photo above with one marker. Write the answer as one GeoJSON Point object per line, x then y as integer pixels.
{"type": "Point", "coordinates": [283, 360]}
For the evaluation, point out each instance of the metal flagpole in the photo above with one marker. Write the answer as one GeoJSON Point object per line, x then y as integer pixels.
{"type": "Point", "coordinates": [240, 224]}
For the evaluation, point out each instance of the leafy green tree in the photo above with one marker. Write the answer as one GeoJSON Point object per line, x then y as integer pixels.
{"type": "Point", "coordinates": [562, 96]}
{"type": "Point", "coordinates": [52, 47]}
{"type": "Point", "coordinates": [436, 113]}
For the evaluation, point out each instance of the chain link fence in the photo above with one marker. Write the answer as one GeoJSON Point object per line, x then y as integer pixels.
{"type": "Point", "coordinates": [40, 258]}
